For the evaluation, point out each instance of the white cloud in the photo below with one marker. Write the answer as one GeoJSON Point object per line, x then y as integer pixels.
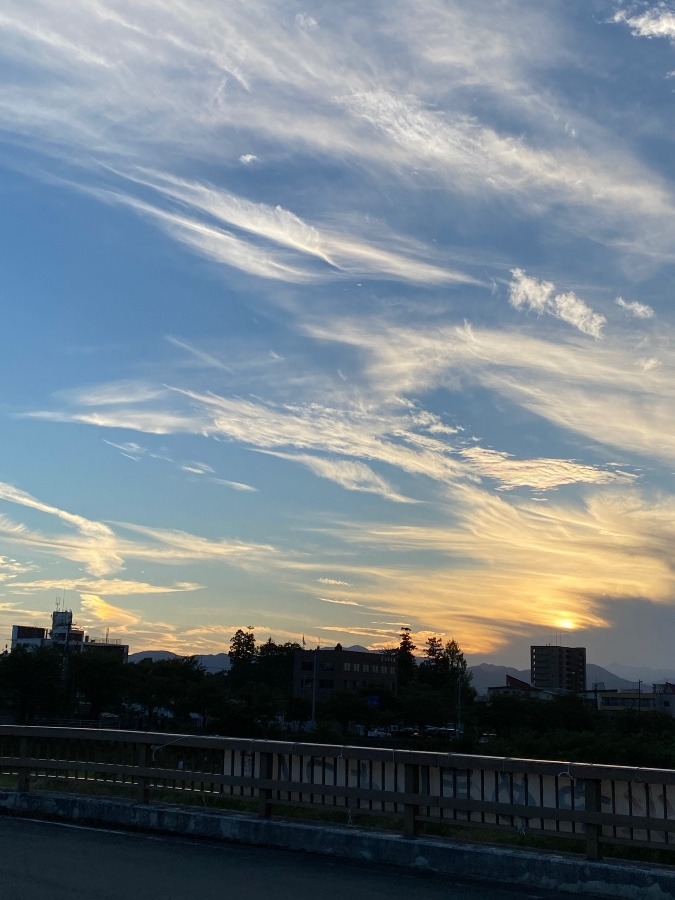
{"type": "Point", "coordinates": [302, 20]}
{"type": "Point", "coordinates": [162, 81]}
{"type": "Point", "coordinates": [111, 587]}
{"type": "Point", "coordinates": [12, 568]}
{"type": "Point", "coordinates": [236, 485]}
{"type": "Point", "coordinates": [95, 545]}
{"type": "Point", "coordinates": [340, 602]}
{"type": "Point", "coordinates": [607, 394]}
{"type": "Point", "coordinates": [247, 158]}
{"type": "Point", "coordinates": [101, 551]}
{"type": "Point", "coordinates": [220, 245]}
{"type": "Point", "coordinates": [636, 309]}
{"type": "Point", "coordinates": [343, 252]}
{"type": "Point", "coordinates": [541, 297]}
{"type": "Point", "coordinates": [197, 468]}
{"type": "Point", "coordinates": [351, 475]}
{"type": "Point", "coordinates": [541, 474]}
{"type": "Point", "coordinates": [658, 22]}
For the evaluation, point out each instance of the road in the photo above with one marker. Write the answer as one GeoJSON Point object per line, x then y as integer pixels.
{"type": "Point", "coordinates": [41, 860]}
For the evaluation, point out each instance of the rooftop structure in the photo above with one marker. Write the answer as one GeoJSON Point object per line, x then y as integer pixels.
{"type": "Point", "coordinates": [66, 635]}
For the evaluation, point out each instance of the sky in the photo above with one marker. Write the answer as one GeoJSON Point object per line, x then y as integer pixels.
{"type": "Point", "coordinates": [332, 318]}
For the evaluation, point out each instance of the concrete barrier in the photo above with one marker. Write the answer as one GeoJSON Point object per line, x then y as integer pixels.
{"type": "Point", "coordinates": [566, 874]}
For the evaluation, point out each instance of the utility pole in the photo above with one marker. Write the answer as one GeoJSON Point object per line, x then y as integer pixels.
{"type": "Point", "coordinates": [315, 683]}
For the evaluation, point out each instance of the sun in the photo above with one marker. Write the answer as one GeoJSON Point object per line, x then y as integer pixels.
{"type": "Point", "coordinates": [566, 624]}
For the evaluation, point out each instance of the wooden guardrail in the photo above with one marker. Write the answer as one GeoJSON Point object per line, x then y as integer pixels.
{"type": "Point", "coordinates": [593, 803]}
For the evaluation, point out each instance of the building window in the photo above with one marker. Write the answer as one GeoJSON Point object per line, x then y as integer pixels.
{"type": "Point", "coordinates": [307, 666]}
{"type": "Point", "coordinates": [326, 683]}
{"type": "Point", "coordinates": [347, 667]}
{"type": "Point", "coordinates": [357, 667]}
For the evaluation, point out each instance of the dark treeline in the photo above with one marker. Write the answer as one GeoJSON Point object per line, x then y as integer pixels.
{"type": "Point", "coordinates": [569, 727]}
{"type": "Point", "coordinates": [254, 698]}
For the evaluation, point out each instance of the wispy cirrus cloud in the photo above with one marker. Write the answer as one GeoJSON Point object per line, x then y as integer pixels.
{"type": "Point", "coordinates": [102, 551]}
{"type": "Point", "coordinates": [110, 587]}
{"type": "Point", "coordinates": [555, 560]}
{"type": "Point", "coordinates": [541, 474]}
{"type": "Point", "coordinates": [349, 474]}
{"type": "Point", "coordinates": [161, 83]}
{"type": "Point", "coordinates": [221, 245]}
{"type": "Point", "coordinates": [390, 431]}
{"type": "Point", "coordinates": [11, 569]}
{"type": "Point", "coordinates": [610, 394]}
{"type": "Point", "coordinates": [635, 308]}
{"type": "Point", "coordinates": [236, 485]}
{"type": "Point", "coordinates": [345, 252]}
{"type": "Point", "coordinates": [339, 602]}
{"type": "Point", "coordinates": [530, 293]}
{"type": "Point", "coordinates": [95, 546]}
{"type": "Point", "coordinates": [98, 610]}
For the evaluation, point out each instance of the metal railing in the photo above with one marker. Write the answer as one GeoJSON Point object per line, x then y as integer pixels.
{"type": "Point", "coordinates": [591, 803]}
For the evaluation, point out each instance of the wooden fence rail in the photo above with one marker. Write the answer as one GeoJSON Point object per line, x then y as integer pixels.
{"type": "Point", "coordinates": [593, 803]}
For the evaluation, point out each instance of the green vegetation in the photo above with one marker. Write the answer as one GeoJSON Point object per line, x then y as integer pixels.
{"type": "Point", "coordinates": [569, 728]}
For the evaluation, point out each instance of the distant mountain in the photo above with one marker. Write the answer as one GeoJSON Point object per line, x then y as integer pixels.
{"type": "Point", "coordinates": [487, 675]}
{"type": "Point", "coordinates": [644, 674]}
{"type": "Point", "coordinates": [154, 655]}
{"type": "Point", "coordinates": [598, 675]}
{"type": "Point", "coordinates": [215, 662]}
{"type": "Point", "coordinates": [212, 662]}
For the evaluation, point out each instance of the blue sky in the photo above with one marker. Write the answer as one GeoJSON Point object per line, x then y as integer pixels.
{"type": "Point", "coordinates": [328, 318]}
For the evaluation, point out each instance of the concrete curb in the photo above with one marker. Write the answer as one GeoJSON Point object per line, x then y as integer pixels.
{"type": "Point", "coordinates": [564, 874]}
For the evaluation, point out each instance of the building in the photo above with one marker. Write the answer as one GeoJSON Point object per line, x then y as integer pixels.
{"type": "Point", "coordinates": [661, 698]}
{"type": "Point", "coordinates": [616, 701]}
{"type": "Point", "coordinates": [66, 635]}
{"type": "Point", "coordinates": [664, 696]}
{"type": "Point", "coordinates": [558, 668]}
{"type": "Point", "coordinates": [515, 687]}
{"type": "Point", "coordinates": [319, 673]}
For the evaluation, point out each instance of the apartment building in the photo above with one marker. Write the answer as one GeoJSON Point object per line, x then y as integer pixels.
{"type": "Point", "coordinates": [558, 668]}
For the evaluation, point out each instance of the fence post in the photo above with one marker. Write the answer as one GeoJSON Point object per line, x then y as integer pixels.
{"type": "Point", "coordinates": [144, 759]}
{"type": "Point", "coordinates": [411, 786]}
{"type": "Point", "coordinates": [593, 803]}
{"type": "Point", "coordinates": [23, 779]}
{"type": "Point", "coordinates": [265, 793]}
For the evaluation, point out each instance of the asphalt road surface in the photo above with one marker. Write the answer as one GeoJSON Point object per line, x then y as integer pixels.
{"type": "Point", "coordinates": [63, 862]}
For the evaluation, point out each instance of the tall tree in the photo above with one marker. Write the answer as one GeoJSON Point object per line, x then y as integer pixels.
{"type": "Point", "coordinates": [242, 655]}
{"type": "Point", "coordinates": [242, 646]}
{"type": "Point", "coordinates": [444, 669]}
{"type": "Point", "coordinates": [405, 658]}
